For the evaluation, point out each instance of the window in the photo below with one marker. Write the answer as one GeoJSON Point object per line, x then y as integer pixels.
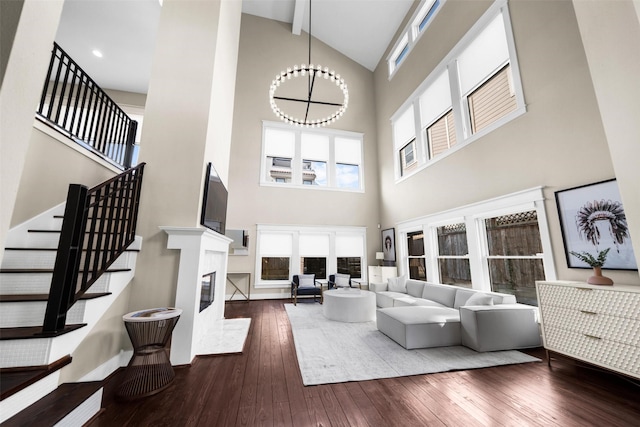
{"type": "Point", "coordinates": [425, 18]}
{"type": "Point", "coordinates": [282, 251]}
{"type": "Point", "coordinates": [275, 256]}
{"type": "Point", "coordinates": [485, 76]}
{"type": "Point", "coordinates": [408, 157]}
{"type": "Point", "coordinates": [275, 268]}
{"type": "Point", "coordinates": [348, 160]}
{"type": "Point", "coordinates": [404, 135]}
{"type": "Point", "coordinates": [441, 135]}
{"type": "Point", "coordinates": [492, 100]}
{"type": "Point", "coordinates": [421, 19]}
{"type": "Point", "coordinates": [314, 265]}
{"type": "Point", "coordinates": [314, 250]}
{"type": "Point", "coordinates": [351, 266]}
{"type": "Point", "coordinates": [475, 90]}
{"type": "Point", "coordinates": [500, 245]}
{"type": "Point", "coordinates": [349, 254]}
{"type": "Point", "coordinates": [416, 258]}
{"type": "Point", "coordinates": [514, 258]}
{"type": "Point", "coordinates": [453, 255]}
{"type": "Point", "coordinates": [311, 158]}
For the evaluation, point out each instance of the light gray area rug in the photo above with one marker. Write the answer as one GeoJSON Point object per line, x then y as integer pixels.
{"type": "Point", "coordinates": [334, 352]}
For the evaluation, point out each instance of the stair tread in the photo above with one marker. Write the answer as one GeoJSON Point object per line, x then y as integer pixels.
{"type": "Point", "coordinates": [55, 406]}
{"type": "Point", "coordinates": [50, 270]}
{"type": "Point", "coordinates": [15, 379]}
{"type": "Point", "coordinates": [45, 297]}
{"type": "Point", "coordinates": [26, 332]}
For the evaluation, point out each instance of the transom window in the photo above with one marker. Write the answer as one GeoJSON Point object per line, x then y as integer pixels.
{"type": "Point", "coordinates": [311, 158]}
{"type": "Point", "coordinates": [418, 23]}
{"type": "Point", "coordinates": [475, 90]}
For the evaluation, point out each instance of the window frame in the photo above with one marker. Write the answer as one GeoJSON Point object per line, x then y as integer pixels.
{"type": "Point", "coordinates": [473, 216]}
{"type": "Point", "coordinates": [296, 258]}
{"type": "Point", "coordinates": [459, 102]}
{"type": "Point", "coordinates": [297, 180]}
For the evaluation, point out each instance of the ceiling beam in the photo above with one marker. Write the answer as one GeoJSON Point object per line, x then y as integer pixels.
{"type": "Point", "coordinates": [298, 16]}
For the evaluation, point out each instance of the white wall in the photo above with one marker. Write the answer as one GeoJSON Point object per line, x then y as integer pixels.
{"type": "Point", "coordinates": [24, 75]}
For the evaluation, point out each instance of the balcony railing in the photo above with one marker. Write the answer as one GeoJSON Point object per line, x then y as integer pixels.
{"type": "Point", "coordinates": [74, 105]}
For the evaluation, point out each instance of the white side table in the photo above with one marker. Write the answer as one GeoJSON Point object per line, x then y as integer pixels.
{"type": "Point", "coordinates": [349, 305]}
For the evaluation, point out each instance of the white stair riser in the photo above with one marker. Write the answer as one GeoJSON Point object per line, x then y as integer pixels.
{"type": "Point", "coordinates": [39, 283]}
{"type": "Point", "coordinates": [45, 259]}
{"type": "Point", "coordinates": [31, 313]}
{"type": "Point", "coordinates": [43, 351]}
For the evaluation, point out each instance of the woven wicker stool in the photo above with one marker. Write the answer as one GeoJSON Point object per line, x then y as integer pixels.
{"type": "Point", "coordinates": [149, 370]}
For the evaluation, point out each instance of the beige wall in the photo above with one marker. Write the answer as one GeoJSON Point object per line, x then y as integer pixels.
{"type": "Point", "coordinates": [266, 47]}
{"type": "Point", "coordinates": [177, 134]}
{"type": "Point", "coordinates": [558, 143]}
{"type": "Point", "coordinates": [615, 71]}
{"type": "Point", "coordinates": [47, 174]}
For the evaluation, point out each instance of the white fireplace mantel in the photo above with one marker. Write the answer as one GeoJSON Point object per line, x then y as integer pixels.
{"type": "Point", "coordinates": [201, 251]}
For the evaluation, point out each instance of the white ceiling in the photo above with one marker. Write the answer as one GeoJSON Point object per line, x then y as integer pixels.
{"type": "Point", "coordinates": [125, 32]}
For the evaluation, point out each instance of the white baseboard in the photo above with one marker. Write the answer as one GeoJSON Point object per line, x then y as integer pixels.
{"type": "Point", "coordinates": [110, 366]}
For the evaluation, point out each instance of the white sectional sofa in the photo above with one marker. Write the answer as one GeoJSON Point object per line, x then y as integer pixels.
{"type": "Point", "coordinates": [419, 314]}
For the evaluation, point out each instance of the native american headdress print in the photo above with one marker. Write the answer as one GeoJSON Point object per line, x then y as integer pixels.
{"type": "Point", "coordinates": [602, 210]}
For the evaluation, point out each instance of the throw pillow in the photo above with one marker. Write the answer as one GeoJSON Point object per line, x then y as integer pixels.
{"type": "Point", "coordinates": [342, 280]}
{"type": "Point", "coordinates": [479, 299]}
{"type": "Point", "coordinates": [397, 284]}
{"type": "Point", "coordinates": [306, 281]}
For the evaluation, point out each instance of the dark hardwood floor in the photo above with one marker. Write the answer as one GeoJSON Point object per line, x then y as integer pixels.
{"type": "Point", "coordinates": [262, 386]}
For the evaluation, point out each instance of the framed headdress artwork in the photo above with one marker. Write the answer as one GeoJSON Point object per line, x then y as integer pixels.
{"type": "Point", "coordinates": [592, 219]}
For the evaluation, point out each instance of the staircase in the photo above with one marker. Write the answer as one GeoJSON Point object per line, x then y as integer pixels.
{"type": "Point", "coordinates": [30, 362]}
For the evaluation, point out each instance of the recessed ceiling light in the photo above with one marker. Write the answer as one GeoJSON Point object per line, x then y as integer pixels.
{"type": "Point", "coordinates": [97, 53]}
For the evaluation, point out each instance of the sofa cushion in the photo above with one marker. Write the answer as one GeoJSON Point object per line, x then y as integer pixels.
{"type": "Point", "coordinates": [397, 284]}
{"type": "Point", "coordinates": [420, 302]}
{"type": "Point", "coordinates": [479, 299]}
{"type": "Point", "coordinates": [415, 288]}
{"type": "Point", "coordinates": [342, 280]}
{"type": "Point", "coordinates": [443, 294]}
{"type": "Point", "coordinates": [462, 295]}
{"type": "Point", "coordinates": [386, 298]}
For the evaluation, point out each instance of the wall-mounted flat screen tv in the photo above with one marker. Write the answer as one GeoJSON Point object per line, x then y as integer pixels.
{"type": "Point", "coordinates": [214, 203]}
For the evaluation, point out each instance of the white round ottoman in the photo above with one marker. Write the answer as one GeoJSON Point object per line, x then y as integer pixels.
{"type": "Point", "coordinates": [349, 305]}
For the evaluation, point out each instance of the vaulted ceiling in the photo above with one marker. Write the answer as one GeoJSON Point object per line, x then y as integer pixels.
{"type": "Point", "coordinates": [124, 31]}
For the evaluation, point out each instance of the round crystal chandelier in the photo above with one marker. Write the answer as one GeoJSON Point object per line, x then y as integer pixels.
{"type": "Point", "coordinates": [312, 73]}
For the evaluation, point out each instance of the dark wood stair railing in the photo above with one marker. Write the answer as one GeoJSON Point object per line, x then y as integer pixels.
{"type": "Point", "coordinates": [74, 105]}
{"type": "Point", "coordinates": [98, 226]}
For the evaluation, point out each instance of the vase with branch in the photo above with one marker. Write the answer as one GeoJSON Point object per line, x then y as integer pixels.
{"type": "Point", "coordinates": [595, 262]}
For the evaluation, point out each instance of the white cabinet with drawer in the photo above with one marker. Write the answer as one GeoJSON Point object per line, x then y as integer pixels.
{"type": "Point", "coordinates": [380, 274]}
{"type": "Point", "coordinates": [596, 324]}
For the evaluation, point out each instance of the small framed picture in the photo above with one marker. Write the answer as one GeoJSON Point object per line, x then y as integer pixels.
{"type": "Point", "coordinates": [592, 219]}
{"type": "Point", "coordinates": [389, 244]}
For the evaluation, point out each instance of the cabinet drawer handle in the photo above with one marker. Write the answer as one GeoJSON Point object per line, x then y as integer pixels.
{"type": "Point", "coordinates": [592, 336]}
{"type": "Point", "coordinates": [585, 289]}
{"type": "Point", "coordinates": [588, 312]}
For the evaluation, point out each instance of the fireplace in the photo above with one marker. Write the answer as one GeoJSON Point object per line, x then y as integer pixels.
{"type": "Point", "coordinates": [207, 290]}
